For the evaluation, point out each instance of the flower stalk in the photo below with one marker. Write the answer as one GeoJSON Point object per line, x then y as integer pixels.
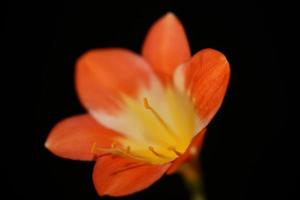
{"type": "Point", "coordinates": [191, 174]}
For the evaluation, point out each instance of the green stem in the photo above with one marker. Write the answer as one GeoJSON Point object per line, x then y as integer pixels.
{"type": "Point", "coordinates": [191, 174]}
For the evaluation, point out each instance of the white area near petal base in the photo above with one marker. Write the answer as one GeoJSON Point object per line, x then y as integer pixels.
{"type": "Point", "coordinates": [143, 130]}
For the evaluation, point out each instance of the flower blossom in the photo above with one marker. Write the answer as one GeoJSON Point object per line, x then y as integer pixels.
{"type": "Point", "coordinates": [146, 114]}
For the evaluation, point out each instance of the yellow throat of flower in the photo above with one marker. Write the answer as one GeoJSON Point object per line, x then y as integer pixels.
{"type": "Point", "coordinates": [158, 125]}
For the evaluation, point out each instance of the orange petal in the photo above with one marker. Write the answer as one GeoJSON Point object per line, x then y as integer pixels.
{"type": "Point", "coordinates": [102, 75]}
{"type": "Point", "coordinates": [206, 78]}
{"type": "Point", "coordinates": [166, 46]}
{"type": "Point", "coordinates": [74, 137]}
{"type": "Point", "coordinates": [191, 153]}
{"type": "Point", "coordinates": [119, 176]}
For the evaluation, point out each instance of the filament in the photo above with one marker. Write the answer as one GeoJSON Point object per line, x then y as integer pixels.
{"type": "Point", "coordinates": [171, 148]}
{"type": "Point", "coordinates": [156, 153]}
{"type": "Point", "coordinates": [158, 117]}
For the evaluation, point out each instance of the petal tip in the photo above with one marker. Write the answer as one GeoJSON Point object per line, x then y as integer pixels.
{"type": "Point", "coordinates": [170, 14]}
{"type": "Point", "coordinates": [166, 46]}
{"type": "Point", "coordinates": [47, 144]}
{"type": "Point", "coordinates": [170, 17]}
{"type": "Point", "coordinates": [216, 52]}
{"type": "Point", "coordinates": [51, 146]}
{"type": "Point", "coordinates": [220, 56]}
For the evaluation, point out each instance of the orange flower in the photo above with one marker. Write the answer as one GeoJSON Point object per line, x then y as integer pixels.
{"type": "Point", "coordinates": [146, 114]}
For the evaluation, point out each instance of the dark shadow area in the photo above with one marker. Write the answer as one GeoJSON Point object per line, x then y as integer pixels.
{"type": "Point", "coordinates": [249, 153]}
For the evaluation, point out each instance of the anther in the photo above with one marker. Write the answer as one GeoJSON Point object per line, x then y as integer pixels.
{"type": "Point", "coordinates": [93, 148]}
{"type": "Point", "coordinates": [146, 104]}
{"type": "Point", "coordinates": [156, 153]}
{"type": "Point", "coordinates": [115, 150]}
{"type": "Point", "coordinates": [113, 145]}
{"type": "Point", "coordinates": [171, 148]}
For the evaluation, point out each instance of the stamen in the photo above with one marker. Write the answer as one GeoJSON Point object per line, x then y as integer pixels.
{"type": "Point", "coordinates": [171, 148]}
{"type": "Point", "coordinates": [156, 153]}
{"type": "Point", "coordinates": [114, 150]}
{"type": "Point", "coordinates": [158, 117]}
{"type": "Point", "coordinates": [93, 151]}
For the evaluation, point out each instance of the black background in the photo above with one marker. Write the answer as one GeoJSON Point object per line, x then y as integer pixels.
{"type": "Point", "coordinates": [249, 152]}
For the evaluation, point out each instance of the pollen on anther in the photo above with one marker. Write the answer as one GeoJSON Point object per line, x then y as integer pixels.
{"type": "Point", "coordinates": [146, 104]}
{"type": "Point", "coordinates": [113, 145]}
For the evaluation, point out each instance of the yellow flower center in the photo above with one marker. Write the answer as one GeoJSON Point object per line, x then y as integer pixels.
{"type": "Point", "coordinates": [147, 106]}
{"type": "Point", "coordinates": [159, 125]}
